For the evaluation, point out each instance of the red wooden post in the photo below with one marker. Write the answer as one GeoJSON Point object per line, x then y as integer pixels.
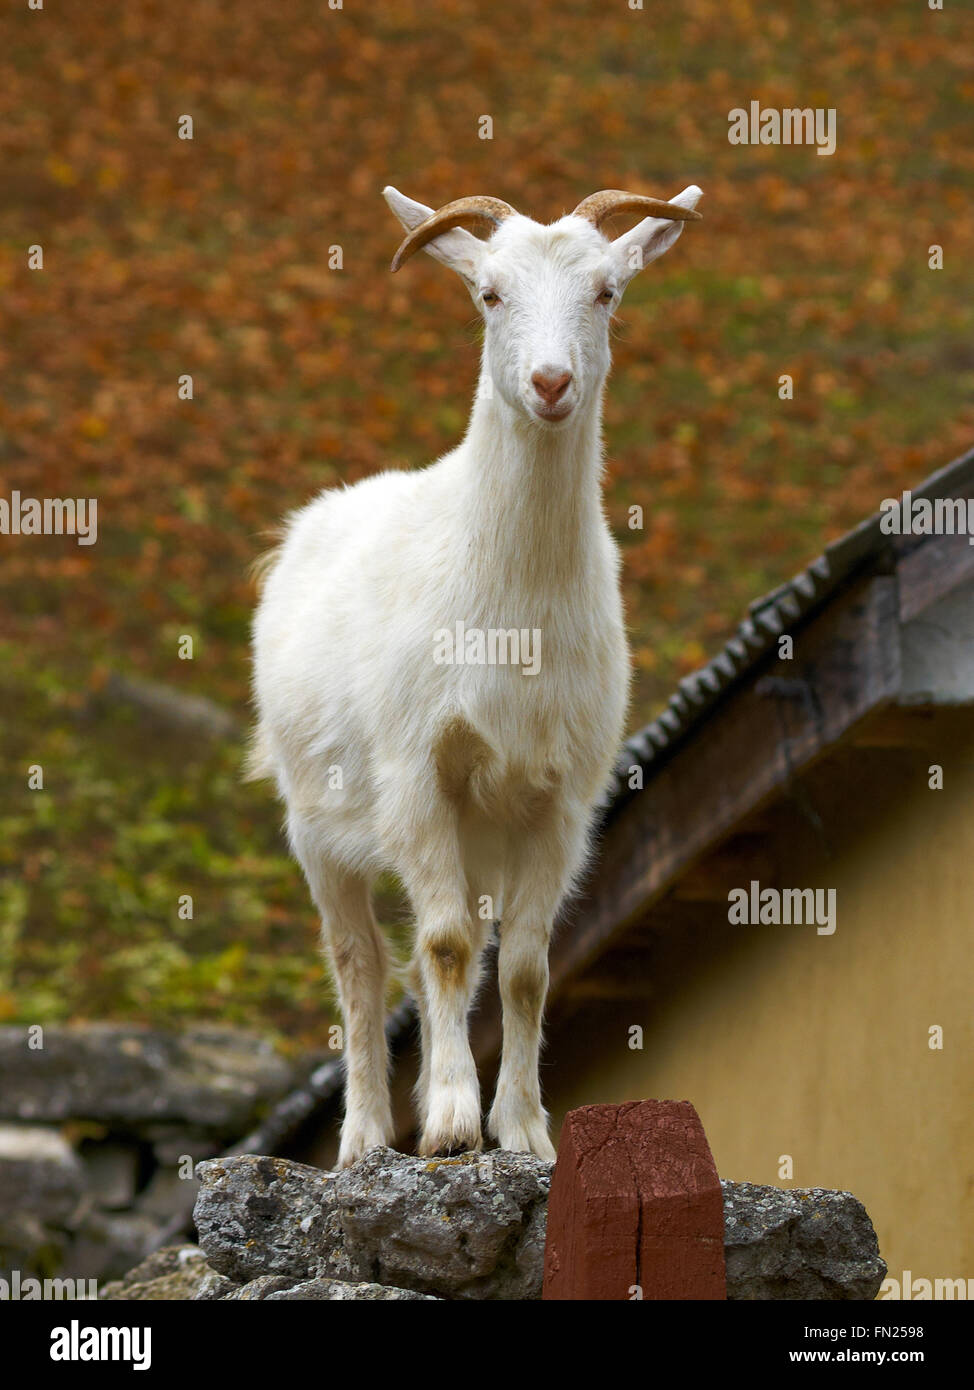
{"type": "Point", "coordinates": [635, 1200]}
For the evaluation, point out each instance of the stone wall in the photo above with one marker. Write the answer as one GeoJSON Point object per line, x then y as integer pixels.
{"type": "Point", "coordinates": [473, 1227]}
{"type": "Point", "coordinates": [101, 1127]}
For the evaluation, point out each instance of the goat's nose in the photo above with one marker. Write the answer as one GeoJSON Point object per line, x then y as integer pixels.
{"type": "Point", "coordinates": [551, 384]}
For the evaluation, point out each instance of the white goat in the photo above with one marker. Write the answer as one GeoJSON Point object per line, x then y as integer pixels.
{"type": "Point", "coordinates": [474, 778]}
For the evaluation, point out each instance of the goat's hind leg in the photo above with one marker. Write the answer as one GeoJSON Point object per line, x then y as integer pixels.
{"type": "Point", "coordinates": [357, 952]}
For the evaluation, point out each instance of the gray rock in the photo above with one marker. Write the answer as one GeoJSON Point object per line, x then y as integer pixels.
{"type": "Point", "coordinates": [474, 1227]}
{"type": "Point", "coordinates": [257, 1216]}
{"type": "Point", "coordinates": [106, 1243]}
{"type": "Point", "coordinates": [281, 1287]}
{"type": "Point", "coordinates": [180, 1272]}
{"type": "Point", "coordinates": [40, 1176]}
{"type": "Point", "coordinates": [798, 1243]}
{"type": "Point", "coordinates": [165, 707]}
{"type": "Point", "coordinates": [214, 1287]}
{"type": "Point", "coordinates": [258, 1289]}
{"type": "Point", "coordinates": [467, 1227]}
{"type": "Point", "coordinates": [216, 1080]}
{"type": "Point", "coordinates": [336, 1290]}
{"type": "Point", "coordinates": [30, 1246]}
{"type": "Point", "coordinates": [175, 1272]}
{"type": "Point", "coordinates": [165, 1261]}
{"type": "Point", "coordinates": [167, 1195]}
{"type": "Point", "coordinates": [172, 1144]}
{"type": "Point", "coordinates": [168, 1288]}
{"type": "Point", "coordinates": [112, 1172]}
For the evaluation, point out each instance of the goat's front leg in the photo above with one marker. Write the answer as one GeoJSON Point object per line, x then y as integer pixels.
{"type": "Point", "coordinates": [445, 971]}
{"type": "Point", "coordinates": [538, 881]}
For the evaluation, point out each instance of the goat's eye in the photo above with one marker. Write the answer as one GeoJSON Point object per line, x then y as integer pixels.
{"type": "Point", "coordinates": [490, 297]}
{"type": "Point", "coordinates": [607, 296]}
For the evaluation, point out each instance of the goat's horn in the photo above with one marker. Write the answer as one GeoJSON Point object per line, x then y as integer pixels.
{"type": "Point", "coordinates": [599, 206]}
{"type": "Point", "coordinates": [464, 212]}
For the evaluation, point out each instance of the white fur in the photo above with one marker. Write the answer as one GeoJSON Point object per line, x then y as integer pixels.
{"type": "Point", "coordinates": [475, 783]}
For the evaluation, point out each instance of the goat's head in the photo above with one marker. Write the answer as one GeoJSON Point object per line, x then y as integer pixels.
{"type": "Point", "coordinates": [547, 293]}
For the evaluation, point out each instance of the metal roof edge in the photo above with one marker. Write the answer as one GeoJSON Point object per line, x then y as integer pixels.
{"type": "Point", "coordinates": [769, 616]}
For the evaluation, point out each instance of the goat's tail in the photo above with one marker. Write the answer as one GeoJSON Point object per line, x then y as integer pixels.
{"type": "Point", "coordinates": [258, 763]}
{"type": "Point", "coordinates": [265, 562]}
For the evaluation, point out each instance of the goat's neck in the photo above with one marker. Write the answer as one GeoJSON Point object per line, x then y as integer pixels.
{"type": "Point", "coordinates": [529, 499]}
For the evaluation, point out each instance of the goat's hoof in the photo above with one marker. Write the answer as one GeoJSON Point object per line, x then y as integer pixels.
{"type": "Point", "coordinates": [452, 1127]}
{"type": "Point", "coordinates": [523, 1136]}
{"type": "Point", "coordinates": [357, 1143]}
{"type": "Point", "coordinates": [432, 1147]}
{"type": "Point", "coordinates": [453, 1151]}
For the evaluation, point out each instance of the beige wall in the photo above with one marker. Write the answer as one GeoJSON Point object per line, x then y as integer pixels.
{"type": "Point", "coordinates": [817, 1047]}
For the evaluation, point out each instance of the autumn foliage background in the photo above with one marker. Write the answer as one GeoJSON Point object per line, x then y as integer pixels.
{"type": "Point", "coordinates": [210, 257]}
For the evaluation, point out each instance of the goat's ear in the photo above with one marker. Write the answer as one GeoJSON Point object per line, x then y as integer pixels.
{"type": "Point", "coordinates": [654, 235]}
{"type": "Point", "coordinates": [458, 249]}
